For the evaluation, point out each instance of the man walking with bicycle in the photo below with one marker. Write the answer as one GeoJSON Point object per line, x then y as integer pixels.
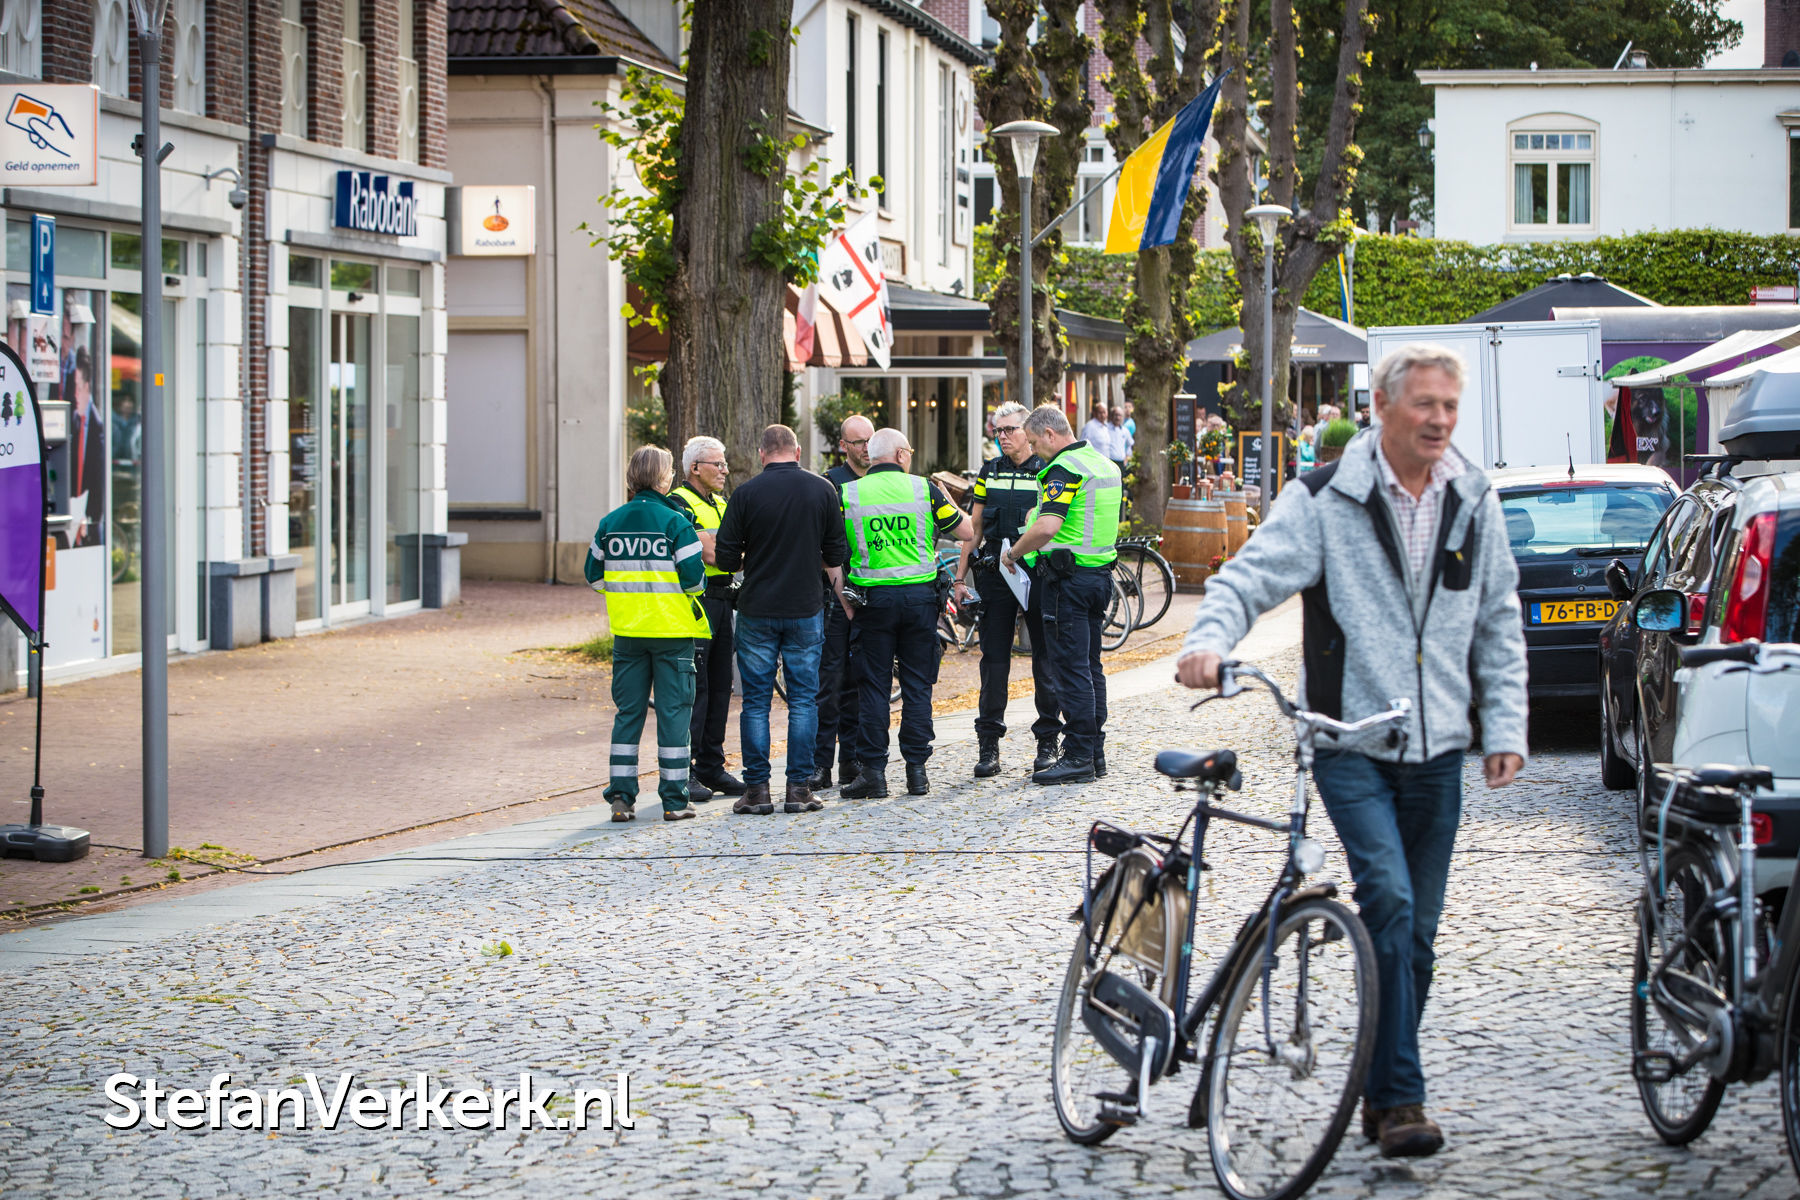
{"type": "Point", "coordinates": [1401, 524]}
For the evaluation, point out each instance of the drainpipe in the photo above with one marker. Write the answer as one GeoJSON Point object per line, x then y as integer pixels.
{"type": "Point", "coordinates": [244, 351]}
{"type": "Point", "coordinates": [547, 325]}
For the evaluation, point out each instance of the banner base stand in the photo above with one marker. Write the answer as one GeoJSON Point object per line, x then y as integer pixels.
{"type": "Point", "coordinates": [46, 843]}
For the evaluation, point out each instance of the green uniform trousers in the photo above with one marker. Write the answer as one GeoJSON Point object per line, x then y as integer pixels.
{"type": "Point", "coordinates": [644, 668]}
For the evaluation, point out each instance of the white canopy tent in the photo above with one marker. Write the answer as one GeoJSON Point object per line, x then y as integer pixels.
{"type": "Point", "coordinates": [1745, 341]}
{"type": "Point", "coordinates": [1723, 390]}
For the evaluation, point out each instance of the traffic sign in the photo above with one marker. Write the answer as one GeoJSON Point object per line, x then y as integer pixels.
{"type": "Point", "coordinates": [43, 265]}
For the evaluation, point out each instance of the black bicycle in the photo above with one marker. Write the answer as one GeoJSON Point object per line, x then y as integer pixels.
{"type": "Point", "coordinates": [1292, 1002]}
{"type": "Point", "coordinates": [1712, 996]}
{"type": "Point", "coordinates": [1145, 575]}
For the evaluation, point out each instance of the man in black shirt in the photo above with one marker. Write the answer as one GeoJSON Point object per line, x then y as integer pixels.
{"type": "Point", "coordinates": [1005, 493]}
{"type": "Point", "coordinates": [781, 528]}
{"type": "Point", "coordinates": [837, 671]}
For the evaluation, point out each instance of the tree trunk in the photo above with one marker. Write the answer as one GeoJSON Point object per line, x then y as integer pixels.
{"type": "Point", "coordinates": [723, 376]}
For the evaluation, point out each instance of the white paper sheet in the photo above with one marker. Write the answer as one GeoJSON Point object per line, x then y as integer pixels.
{"type": "Point", "coordinates": [1016, 579]}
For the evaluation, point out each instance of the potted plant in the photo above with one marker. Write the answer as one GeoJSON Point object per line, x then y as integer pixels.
{"type": "Point", "coordinates": [1179, 457]}
{"type": "Point", "coordinates": [1333, 438]}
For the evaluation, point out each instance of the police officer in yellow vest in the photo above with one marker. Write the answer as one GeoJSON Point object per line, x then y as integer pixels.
{"type": "Point", "coordinates": [646, 560]}
{"type": "Point", "coordinates": [892, 520]}
{"type": "Point", "coordinates": [701, 495]}
{"type": "Point", "coordinates": [1073, 534]}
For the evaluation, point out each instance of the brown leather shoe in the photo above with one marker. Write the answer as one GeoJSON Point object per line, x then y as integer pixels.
{"type": "Point", "coordinates": [800, 799]}
{"type": "Point", "coordinates": [754, 802]}
{"type": "Point", "coordinates": [1406, 1132]}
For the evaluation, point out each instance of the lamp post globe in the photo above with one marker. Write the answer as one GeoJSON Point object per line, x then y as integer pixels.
{"type": "Point", "coordinates": [1268, 218]}
{"type": "Point", "coordinates": [1024, 136]}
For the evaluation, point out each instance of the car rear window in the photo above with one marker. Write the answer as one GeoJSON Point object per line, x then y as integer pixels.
{"type": "Point", "coordinates": [1784, 582]}
{"type": "Point", "coordinates": [1558, 519]}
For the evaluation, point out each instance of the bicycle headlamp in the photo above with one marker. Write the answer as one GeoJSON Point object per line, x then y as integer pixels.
{"type": "Point", "coordinates": [1309, 856]}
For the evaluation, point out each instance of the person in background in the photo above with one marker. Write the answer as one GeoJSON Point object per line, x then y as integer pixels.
{"type": "Point", "coordinates": [838, 686]}
{"type": "Point", "coordinates": [701, 495]}
{"type": "Point", "coordinates": [1131, 421]}
{"type": "Point", "coordinates": [87, 453]}
{"type": "Point", "coordinates": [646, 559]}
{"type": "Point", "coordinates": [892, 520]}
{"type": "Point", "coordinates": [1121, 439]}
{"type": "Point", "coordinates": [1097, 433]}
{"type": "Point", "coordinates": [1005, 495]}
{"type": "Point", "coordinates": [781, 528]}
{"type": "Point", "coordinates": [1305, 449]}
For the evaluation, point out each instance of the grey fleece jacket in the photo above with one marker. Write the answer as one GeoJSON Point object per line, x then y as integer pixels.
{"type": "Point", "coordinates": [1332, 537]}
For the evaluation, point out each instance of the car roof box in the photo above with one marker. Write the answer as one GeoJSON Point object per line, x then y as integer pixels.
{"type": "Point", "coordinates": [1764, 422]}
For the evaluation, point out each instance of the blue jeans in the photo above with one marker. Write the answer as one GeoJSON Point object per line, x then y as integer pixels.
{"type": "Point", "coordinates": [795, 642]}
{"type": "Point", "coordinates": [1398, 825]}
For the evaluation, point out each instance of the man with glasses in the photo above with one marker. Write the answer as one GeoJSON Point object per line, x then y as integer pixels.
{"type": "Point", "coordinates": [701, 495]}
{"type": "Point", "coordinates": [837, 675]}
{"type": "Point", "coordinates": [1005, 493]}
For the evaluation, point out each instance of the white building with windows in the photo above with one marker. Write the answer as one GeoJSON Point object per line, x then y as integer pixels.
{"type": "Point", "coordinates": [1538, 155]}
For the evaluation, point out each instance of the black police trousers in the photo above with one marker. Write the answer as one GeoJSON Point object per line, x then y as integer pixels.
{"type": "Point", "coordinates": [999, 615]}
{"type": "Point", "coordinates": [1074, 614]}
{"type": "Point", "coordinates": [896, 628]}
{"type": "Point", "coordinates": [838, 690]}
{"type": "Point", "coordinates": [712, 689]}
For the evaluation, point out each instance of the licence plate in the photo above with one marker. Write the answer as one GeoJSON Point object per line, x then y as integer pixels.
{"type": "Point", "coordinates": [1568, 612]}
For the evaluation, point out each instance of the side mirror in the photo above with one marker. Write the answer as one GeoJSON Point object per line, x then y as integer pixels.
{"type": "Point", "coordinates": [1618, 580]}
{"type": "Point", "coordinates": [1661, 611]}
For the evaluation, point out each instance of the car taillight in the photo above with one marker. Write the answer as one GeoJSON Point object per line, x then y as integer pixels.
{"type": "Point", "coordinates": [1696, 613]}
{"type": "Point", "coordinates": [1747, 604]}
{"type": "Point", "coordinates": [1762, 828]}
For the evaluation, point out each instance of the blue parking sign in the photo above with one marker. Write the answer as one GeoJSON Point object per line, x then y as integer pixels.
{"type": "Point", "coordinates": [43, 265]}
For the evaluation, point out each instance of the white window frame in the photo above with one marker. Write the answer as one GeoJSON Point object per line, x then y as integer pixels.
{"type": "Point", "coordinates": [21, 37]}
{"type": "Point", "coordinates": [1543, 125]}
{"type": "Point", "coordinates": [356, 78]}
{"type": "Point", "coordinates": [409, 87]}
{"type": "Point", "coordinates": [112, 47]}
{"type": "Point", "coordinates": [295, 51]}
{"type": "Point", "coordinates": [190, 55]}
{"type": "Point", "coordinates": [1790, 122]}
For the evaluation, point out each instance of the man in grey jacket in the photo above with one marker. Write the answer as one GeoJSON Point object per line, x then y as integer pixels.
{"type": "Point", "coordinates": [1409, 588]}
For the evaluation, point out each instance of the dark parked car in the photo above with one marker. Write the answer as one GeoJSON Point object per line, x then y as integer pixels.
{"type": "Point", "coordinates": [1565, 524]}
{"type": "Point", "coordinates": [1637, 666]}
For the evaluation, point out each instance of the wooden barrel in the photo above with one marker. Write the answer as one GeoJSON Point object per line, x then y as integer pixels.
{"type": "Point", "coordinates": [1237, 525]}
{"type": "Point", "coordinates": [1193, 533]}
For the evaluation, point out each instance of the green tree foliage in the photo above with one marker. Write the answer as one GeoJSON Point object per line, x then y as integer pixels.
{"type": "Point", "coordinates": [1416, 35]}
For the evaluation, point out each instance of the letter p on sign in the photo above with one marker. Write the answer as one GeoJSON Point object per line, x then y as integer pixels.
{"type": "Point", "coordinates": [43, 265]}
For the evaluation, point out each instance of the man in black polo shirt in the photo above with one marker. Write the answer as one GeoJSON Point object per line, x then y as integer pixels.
{"type": "Point", "coordinates": [837, 672]}
{"type": "Point", "coordinates": [1005, 492]}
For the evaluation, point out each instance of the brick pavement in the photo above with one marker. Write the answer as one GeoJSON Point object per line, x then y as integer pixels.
{"type": "Point", "coordinates": [870, 1025]}
{"type": "Point", "coordinates": [339, 737]}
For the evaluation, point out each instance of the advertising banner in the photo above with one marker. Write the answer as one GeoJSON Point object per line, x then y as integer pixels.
{"type": "Point", "coordinates": [49, 135]}
{"type": "Point", "coordinates": [21, 498]}
{"type": "Point", "coordinates": [497, 221]}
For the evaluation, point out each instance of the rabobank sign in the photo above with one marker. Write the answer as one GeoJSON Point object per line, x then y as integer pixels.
{"type": "Point", "coordinates": [376, 204]}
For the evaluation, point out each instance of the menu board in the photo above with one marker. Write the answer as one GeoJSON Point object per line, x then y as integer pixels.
{"type": "Point", "coordinates": [1249, 458]}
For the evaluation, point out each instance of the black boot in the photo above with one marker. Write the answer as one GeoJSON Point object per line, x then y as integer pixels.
{"type": "Point", "coordinates": [1066, 770]}
{"type": "Point", "coordinates": [988, 762]}
{"type": "Point", "coordinates": [917, 782]}
{"type": "Point", "coordinates": [821, 779]}
{"type": "Point", "coordinates": [1046, 755]}
{"type": "Point", "coordinates": [698, 792]}
{"type": "Point", "coordinates": [724, 783]}
{"type": "Point", "coordinates": [870, 783]}
{"type": "Point", "coordinates": [1099, 764]}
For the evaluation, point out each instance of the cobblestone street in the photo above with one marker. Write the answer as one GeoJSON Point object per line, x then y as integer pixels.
{"type": "Point", "coordinates": [853, 1002]}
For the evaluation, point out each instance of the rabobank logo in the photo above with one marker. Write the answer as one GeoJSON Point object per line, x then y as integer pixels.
{"type": "Point", "coordinates": [376, 204]}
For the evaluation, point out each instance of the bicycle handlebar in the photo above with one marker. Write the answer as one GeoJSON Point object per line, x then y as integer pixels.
{"type": "Point", "coordinates": [1231, 670]}
{"type": "Point", "coordinates": [1700, 656]}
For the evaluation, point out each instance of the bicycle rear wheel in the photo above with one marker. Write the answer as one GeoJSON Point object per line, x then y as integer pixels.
{"type": "Point", "coordinates": [1138, 938]}
{"type": "Point", "coordinates": [1155, 581]}
{"type": "Point", "coordinates": [1288, 1057]}
{"type": "Point", "coordinates": [1789, 1051]}
{"type": "Point", "coordinates": [1121, 617]}
{"type": "Point", "coordinates": [1681, 1108]}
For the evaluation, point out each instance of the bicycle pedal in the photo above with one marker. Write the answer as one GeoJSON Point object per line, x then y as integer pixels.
{"type": "Point", "coordinates": [1116, 1114]}
{"type": "Point", "coordinates": [1652, 1066]}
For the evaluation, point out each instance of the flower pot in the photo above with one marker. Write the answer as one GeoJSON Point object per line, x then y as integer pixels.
{"type": "Point", "coordinates": [1181, 491]}
{"type": "Point", "coordinates": [1326, 454]}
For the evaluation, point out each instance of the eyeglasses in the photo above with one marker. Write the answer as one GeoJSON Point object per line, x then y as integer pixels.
{"type": "Point", "coordinates": [856, 442]}
{"type": "Point", "coordinates": [1000, 429]}
{"type": "Point", "coordinates": [709, 462]}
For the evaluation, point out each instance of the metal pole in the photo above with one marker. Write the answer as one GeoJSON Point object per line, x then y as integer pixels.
{"type": "Point", "coordinates": [152, 507]}
{"type": "Point", "coordinates": [1268, 406]}
{"type": "Point", "coordinates": [1027, 384]}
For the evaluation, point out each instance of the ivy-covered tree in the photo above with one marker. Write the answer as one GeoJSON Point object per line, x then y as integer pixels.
{"type": "Point", "coordinates": [1156, 316]}
{"type": "Point", "coordinates": [1318, 228]}
{"type": "Point", "coordinates": [1045, 81]}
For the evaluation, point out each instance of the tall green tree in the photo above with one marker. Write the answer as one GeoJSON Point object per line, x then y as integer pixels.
{"type": "Point", "coordinates": [1417, 35]}
{"type": "Point", "coordinates": [1156, 316]}
{"type": "Point", "coordinates": [1043, 80]}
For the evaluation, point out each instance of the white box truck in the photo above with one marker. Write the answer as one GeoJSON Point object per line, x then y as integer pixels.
{"type": "Point", "coordinates": [1532, 396]}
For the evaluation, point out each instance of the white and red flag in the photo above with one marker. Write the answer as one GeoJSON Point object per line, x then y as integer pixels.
{"type": "Point", "coordinates": [850, 274]}
{"type": "Point", "coordinates": [806, 323]}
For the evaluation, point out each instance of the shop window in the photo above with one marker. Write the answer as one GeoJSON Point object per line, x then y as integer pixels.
{"type": "Point", "coordinates": [295, 50]}
{"type": "Point", "coordinates": [408, 82]}
{"type": "Point", "coordinates": [403, 499]}
{"type": "Point", "coordinates": [305, 271]}
{"type": "Point", "coordinates": [112, 47]}
{"type": "Point", "coordinates": [80, 253]}
{"type": "Point", "coordinates": [851, 28]}
{"type": "Point", "coordinates": [21, 46]}
{"type": "Point", "coordinates": [187, 29]}
{"type": "Point", "coordinates": [1552, 177]}
{"type": "Point", "coordinates": [356, 79]}
{"type": "Point", "coordinates": [128, 254]}
{"type": "Point", "coordinates": [402, 281]}
{"type": "Point", "coordinates": [352, 276]}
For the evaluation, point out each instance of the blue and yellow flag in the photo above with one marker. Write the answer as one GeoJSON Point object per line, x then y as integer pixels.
{"type": "Point", "coordinates": [1154, 182]}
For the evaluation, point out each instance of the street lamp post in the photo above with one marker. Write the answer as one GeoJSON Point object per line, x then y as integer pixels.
{"type": "Point", "coordinates": [1267, 217]}
{"type": "Point", "coordinates": [1024, 137]}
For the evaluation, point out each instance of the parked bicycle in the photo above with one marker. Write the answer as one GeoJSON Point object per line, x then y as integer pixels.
{"type": "Point", "coordinates": [1713, 994]}
{"type": "Point", "coordinates": [1145, 576]}
{"type": "Point", "coordinates": [1292, 1001]}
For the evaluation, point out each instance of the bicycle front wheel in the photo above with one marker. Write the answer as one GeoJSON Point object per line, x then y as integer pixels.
{"type": "Point", "coordinates": [1682, 1107]}
{"type": "Point", "coordinates": [1135, 935]}
{"type": "Point", "coordinates": [1289, 1052]}
{"type": "Point", "coordinates": [1121, 617]}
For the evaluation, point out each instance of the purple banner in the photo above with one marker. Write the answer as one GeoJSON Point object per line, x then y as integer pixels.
{"type": "Point", "coordinates": [22, 530]}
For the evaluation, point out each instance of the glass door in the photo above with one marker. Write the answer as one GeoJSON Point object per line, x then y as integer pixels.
{"type": "Point", "coordinates": [350, 381]}
{"type": "Point", "coordinates": [306, 504]}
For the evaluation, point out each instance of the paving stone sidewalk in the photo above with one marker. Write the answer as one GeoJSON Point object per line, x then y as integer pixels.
{"type": "Point", "coordinates": [845, 1003]}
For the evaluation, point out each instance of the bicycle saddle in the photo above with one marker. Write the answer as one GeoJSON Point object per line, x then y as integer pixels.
{"type": "Point", "coordinates": [1721, 775]}
{"type": "Point", "coordinates": [1219, 766]}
